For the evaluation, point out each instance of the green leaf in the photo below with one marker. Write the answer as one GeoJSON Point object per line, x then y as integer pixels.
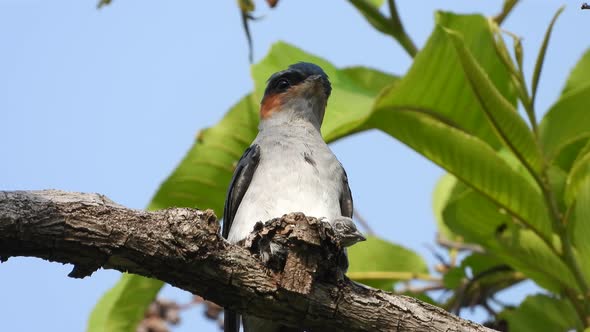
{"type": "Point", "coordinates": [370, 10]}
{"type": "Point", "coordinates": [469, 159]}
{"type": "Point", "coordinates": [436, 80]}
{"type": "Point", "coordinates": [568, 120]}
{"type": "Point", "coordinates": [579, 173]}
{"type": "Point", "coordinates": [502, 115]}
{"type": "Point", "coordinates": [481, 221]}
{"type": "Point", "coordinates": [582, 152]}
{"type": "Point", "coordinates": [479, 263]}
{"type": "Point", "coordinates": [516, 165]}
{"type": "Point", "coordinates": [369, 79]}
{"type": "Point", "coordinates": [123, 306]}
{"type": "Point", "coordinates": [579, 226]}
{"type": "Point", "coordinates": [541, 56]}
{"type": "Point", "coordinates": [447, 189]}
{"type": "Point", "coordinates": [454, 277]}
{"type": "Point", "coordinates": [542, 313]}
{"type": "Point", "coordinates": [201, 179]}
{"type": "Point", "coordinates": [380, 263]}
{"type": "Point", "coordinates": [376, 3]}
{"type": "Point", "coordinates": [557, 182]}
{"type": "Point", "coordinates": [570, 152]}
{"type": "Point", "coordinates": [579, 76]}
{"type": "Point", "coordinates": [353, 89]}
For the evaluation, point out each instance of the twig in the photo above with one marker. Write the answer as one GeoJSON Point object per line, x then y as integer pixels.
{"type": "Point", "coordinates": [446, 243]}
{"type": "Point", "coordinates": [420, 290]}
{"type": "Point", "coordinates": [363, 222]}
{"type": "Point", "coordinates": [391, 26]}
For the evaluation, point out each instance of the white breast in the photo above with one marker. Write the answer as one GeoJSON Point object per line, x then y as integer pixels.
{"type": "Point", "coordinates": [285, 182]}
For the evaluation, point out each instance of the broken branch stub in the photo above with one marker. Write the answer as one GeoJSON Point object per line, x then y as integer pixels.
{"type": "Point", "coordinates": [298, 250]}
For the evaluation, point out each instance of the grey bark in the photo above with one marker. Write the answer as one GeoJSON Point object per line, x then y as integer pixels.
{"type": "Point", "coordinates": [183, 248]}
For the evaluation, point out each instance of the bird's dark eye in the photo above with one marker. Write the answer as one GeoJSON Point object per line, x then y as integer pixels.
{"type": "Point", "coordinates": [283, 84]}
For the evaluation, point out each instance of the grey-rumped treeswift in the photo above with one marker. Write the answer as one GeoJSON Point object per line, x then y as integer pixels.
{"type": "Point", "coordinates": [288, 168]}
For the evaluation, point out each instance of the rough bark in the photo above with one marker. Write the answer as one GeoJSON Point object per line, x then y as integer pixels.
{"type": "Point", "coordinates": [183, 247]}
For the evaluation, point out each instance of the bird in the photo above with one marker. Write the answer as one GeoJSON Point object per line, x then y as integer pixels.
{"type": "Point", "coordinates": [287, 168]}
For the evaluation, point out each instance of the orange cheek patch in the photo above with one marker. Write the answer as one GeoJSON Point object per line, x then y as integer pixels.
{"type": "Point", "coordinates": [270, 104]}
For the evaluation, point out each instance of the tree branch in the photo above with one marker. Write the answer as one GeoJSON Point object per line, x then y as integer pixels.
{"type": "Point", "coordinates": [183, 247]}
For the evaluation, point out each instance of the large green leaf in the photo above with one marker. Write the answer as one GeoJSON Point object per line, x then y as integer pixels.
{"type": "Point", "coordinates": [502, 115]}
{"type": "Point", "coordinates": [353, 89]}
{"type": "Point", "coordinates": [579, 173]}
{"type": "Point", "coordinates": [579, 75]}
{"type": "Point", "coordinates": [568, 120]}
{"type": "Point", "coordinates": [579, 226]}
{"type": "Point", "coordinates": [481, 221]}
{"type": "Point", "coordinates": [570, 152]}
{"type": "Point", "coordinates": [447, 188]}
{"type": "Point", "coordinates": [434, 111]}
{"type": "Point", "coordinates": [436, 80]}
{"type": "Point", "coordinates": [469, 159]}
{"type": "Point", "coordinates": [380, 263]}
{"type": "Point", "coordinates": [369, 79]}
{"type": "Point", "coordinates": [542, 313]}
{"type": "Point", "coordinates": [123, 306]}
{"type": "Point", "coordinates": [582, 152]}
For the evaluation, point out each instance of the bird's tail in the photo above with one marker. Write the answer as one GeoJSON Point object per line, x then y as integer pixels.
{"type": "Point", "coordinates": [231, 321]}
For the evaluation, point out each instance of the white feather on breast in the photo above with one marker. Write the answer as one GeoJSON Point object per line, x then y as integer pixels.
{"type": "Point", "coordinates": [285, 182]}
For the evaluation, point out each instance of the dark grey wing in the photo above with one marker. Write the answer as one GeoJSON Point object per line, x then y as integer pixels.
{"type": "Point", "coordinates": [237, 189]}
{"type": "Point", "coordinates": [346, 208]}
{"type": "Point", "coordinates": [239, 185]}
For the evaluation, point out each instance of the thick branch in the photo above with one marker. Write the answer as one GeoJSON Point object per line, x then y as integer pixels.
{"type": "Point", "coordinates": [183, 247]}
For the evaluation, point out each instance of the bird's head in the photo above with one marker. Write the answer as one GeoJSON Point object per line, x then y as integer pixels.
{"type": "Point", "coordinates": [298, 92]}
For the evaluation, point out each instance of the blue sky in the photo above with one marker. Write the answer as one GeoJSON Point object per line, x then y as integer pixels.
{"type": "Point", "coordinates": [109, 101]}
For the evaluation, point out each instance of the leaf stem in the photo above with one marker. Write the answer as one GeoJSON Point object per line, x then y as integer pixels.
{"type": "Point", "coordinates": [398, 31]}
{"type": "Point", "coordinates": [570, 260]}
{"type": "Point", "coordinates": [391, 26]}
{"type": "Point", "coordinates": [571, 295]}
{"type": "Point", "coordinates": [373, 15]}
{"type": "Point", "coordinates": [392, 275]}
{"type": "Point", "coordinates": [506, 9]}
{"type": "Point", "coordinates": [567, 253]}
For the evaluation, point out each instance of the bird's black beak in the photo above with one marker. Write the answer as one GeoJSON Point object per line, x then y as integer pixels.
{"type": "Point", "coordinates": [319, 85]}
{"type": "Point", "coordinates": [361, 236]}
